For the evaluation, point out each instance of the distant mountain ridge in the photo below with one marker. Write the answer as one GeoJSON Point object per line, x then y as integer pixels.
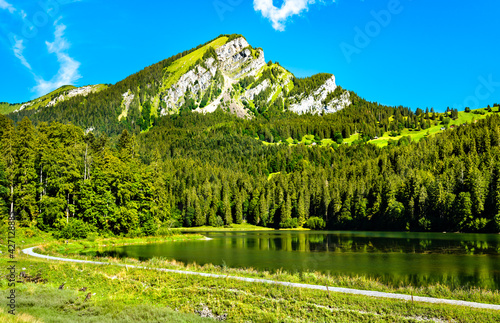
{"type": "Point", "coordinates": [226, 73]}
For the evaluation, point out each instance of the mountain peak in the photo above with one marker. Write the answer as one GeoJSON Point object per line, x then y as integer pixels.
{"type": "Point", "coordinates": [226, 73]}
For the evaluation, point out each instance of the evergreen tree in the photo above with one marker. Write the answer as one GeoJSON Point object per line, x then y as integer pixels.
{"type": "Point", "coordinates": [25, 172]}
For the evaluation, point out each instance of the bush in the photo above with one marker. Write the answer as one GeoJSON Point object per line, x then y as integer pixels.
{"type": "Point", "coordinates": [75, 229]}
{"type": "Point", "coordinates": [165, 231]}
{"type": "Point", "coordinates": [338, 138]}
{"type": "Point", "coordinates": [92, 237]}
{"type": "Point", "coordinates": [315, 223]}
{"type": "Point", "coordinates": [219, 222]}
{"type": "Point", "coordinates": [290, 224]}
{"type": "Point", "coordinates": [136, 233]}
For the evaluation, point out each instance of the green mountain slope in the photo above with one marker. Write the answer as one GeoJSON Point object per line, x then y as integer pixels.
{"type": "Point", "coordinates": [225, 73]}
{"type": "Point", "coordinates": [63, 93]}
{"type": "Point", "coordinates": [6, 108]}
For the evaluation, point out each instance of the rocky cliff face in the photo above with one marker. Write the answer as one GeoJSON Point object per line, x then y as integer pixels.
{"type": "Point", "coordinates": [197, 80]}
{"type": "Point", "coordinates": [234, 61]}
{"type": "Point", "coordinates": [314, 103]}
{"type": "Point", "coordinates": [227, 73]}
{"type": "Point", "coordinates": [238, 59]}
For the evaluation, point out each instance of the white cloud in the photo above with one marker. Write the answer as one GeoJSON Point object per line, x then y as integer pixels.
{"type": "Point", "coordinates": [18, 49]}
{"type": "Point", "coordinates": [7, 6]}
{"type": "Point", "coordinates": [279, 16]}
{"type": "Point", "coordinates": [68, 67]}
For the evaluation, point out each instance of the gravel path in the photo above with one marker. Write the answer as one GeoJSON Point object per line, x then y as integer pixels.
{"type": "Point", "coordinates": [30, 252]}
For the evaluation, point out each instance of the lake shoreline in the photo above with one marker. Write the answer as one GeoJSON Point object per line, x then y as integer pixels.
{"type": "Point", "coordinates": [178, 297]}
{"type": "Point", "coordinates": [83, 250]}
{"type": "Point", "coordinates": [31, 252]}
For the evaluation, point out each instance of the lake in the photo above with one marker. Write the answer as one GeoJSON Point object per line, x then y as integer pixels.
{"type": "Point", "coordinates": [395, 258]}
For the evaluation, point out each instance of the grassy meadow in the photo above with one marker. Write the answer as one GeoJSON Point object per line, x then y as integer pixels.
{"type": "Point", "coordinates": [415, 135]}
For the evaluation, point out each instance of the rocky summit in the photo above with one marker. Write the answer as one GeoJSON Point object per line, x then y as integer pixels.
{"type": "Point", "coordinates": [235, 61]}
{"type": "Point", "coordinates": [226, 73]}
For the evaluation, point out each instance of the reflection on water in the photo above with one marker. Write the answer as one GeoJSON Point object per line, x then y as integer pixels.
{"type": "Point", "coordinates": [392, 257]}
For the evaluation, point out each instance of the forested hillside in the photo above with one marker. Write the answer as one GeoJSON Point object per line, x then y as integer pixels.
{"type": "Point", "coordinates": [193, 169]}
{"type": "Point", "coordinates": [215, 136]}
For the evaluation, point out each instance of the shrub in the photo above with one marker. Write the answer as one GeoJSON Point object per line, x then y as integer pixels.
{"type": "Point", "coordinates": [315, 223]}
{"type": "Point", "coordinates": [75, 229]}
{"type": "Point", "coordinates": [135, 233]}
{"type": "Point", "coordinates": [219, 222]}
{"type": "Point", "coordinates": [290, 224]}
{"type": "Point", "coordinates": [92, 237]}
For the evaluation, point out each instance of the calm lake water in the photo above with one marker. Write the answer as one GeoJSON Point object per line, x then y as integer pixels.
{"type": "Point", "coordinates": [392, 257]}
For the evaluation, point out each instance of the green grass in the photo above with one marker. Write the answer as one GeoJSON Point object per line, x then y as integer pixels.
{"type": "Point", "coordinates": [85, 249]}
{"type": "Point", "coordinates": [351, 139]}
{"type": "Point", "coordinates": [463, 118]}
{"type": "Point", "coordinates": [276, 94]}
{"type": "Point", "coordinates": [306, 140]}
{"type": "Point", "coordinates": [126, 294]}
{"type": "Point", "coordinates": [136, 295]}
{"type": "Point", "coordinates": [182, 65]}
{"type": "Point", "coordinates": [50, 304]}
{"type": "Point", "coordinates": [438, 290]}
{"type": "Point", "coordinates": [6, 108]}
{"type": "Point", "coordinates": [272, 175]}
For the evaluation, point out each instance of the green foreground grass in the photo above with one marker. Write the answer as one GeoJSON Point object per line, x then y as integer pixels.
{"type": "Point", "coordinates": [121, 294]}
{"type": "Point", "coordinates": [87, 251]}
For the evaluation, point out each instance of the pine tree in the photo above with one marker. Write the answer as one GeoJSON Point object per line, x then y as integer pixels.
{"type": "Point", "coordinates": [7, 146]}
{"type": "Point", "coordinates": [239, 209]}
{"type": "Point", "coordinates": [263, 209]}
{"type": "Point", "coordinates": [199, 218]}
{"type": "Point", "coordinates": [286, 212]}
{"type": "Point", "coordinates": [25, 170]}
{"type": "Point", "coordinates": [301, 210]}
{"type": "Point", "coordinates": [226, 205]}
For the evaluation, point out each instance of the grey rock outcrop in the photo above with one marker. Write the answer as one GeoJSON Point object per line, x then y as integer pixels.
{"type": "Point", "coordinates": [314, 102]}
{"type": "Point", "coordinates": [86, 90]}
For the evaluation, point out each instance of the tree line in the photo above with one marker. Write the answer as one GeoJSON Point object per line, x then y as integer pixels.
{"type": "Point", "coordinates": [193, 170]}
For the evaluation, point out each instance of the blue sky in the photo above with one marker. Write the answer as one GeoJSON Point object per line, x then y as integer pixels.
{"type": "Point", "coordinates": [418, 53]}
